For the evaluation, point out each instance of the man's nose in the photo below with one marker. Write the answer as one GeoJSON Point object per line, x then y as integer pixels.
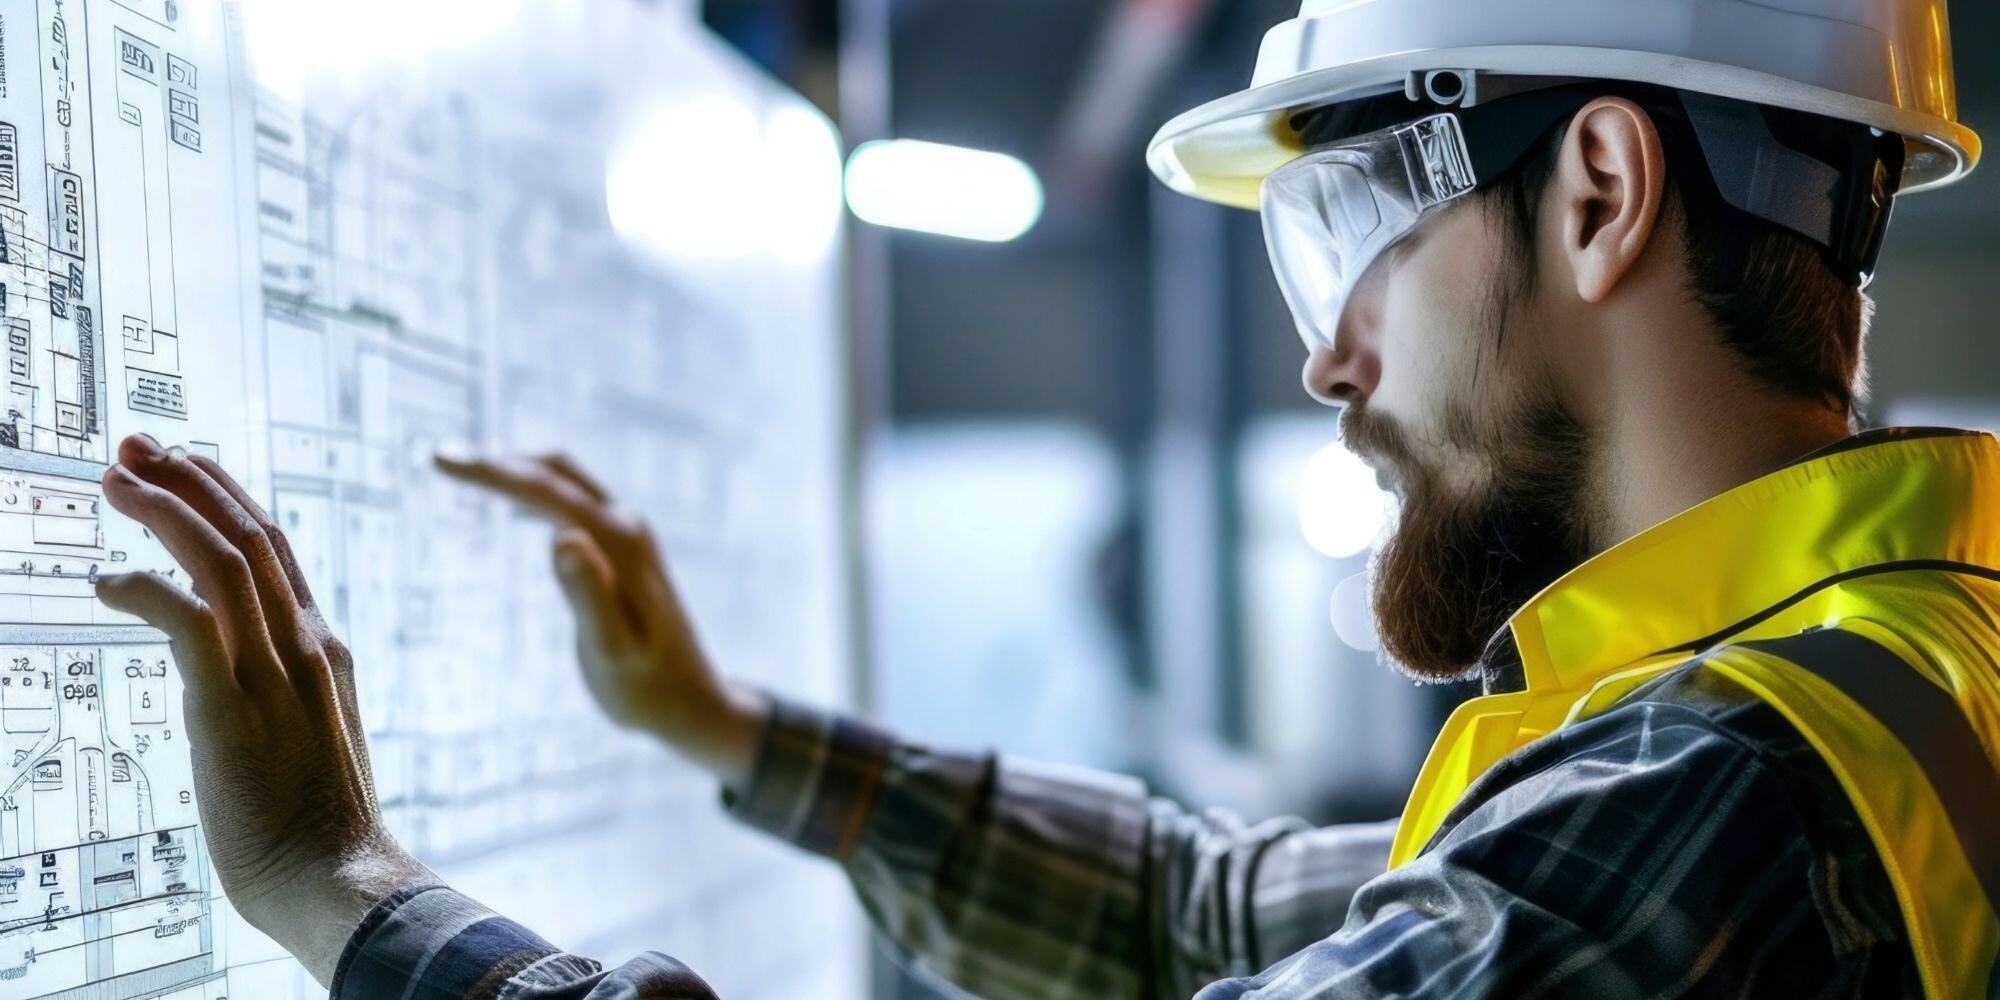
{"type": "Point", "coordinates": [1347, 372]}
{"type": "Point", "coordinates": [1341, 375]}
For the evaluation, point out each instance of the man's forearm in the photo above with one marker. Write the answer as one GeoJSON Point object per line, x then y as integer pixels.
{"type": "Point", "coordinates": [1011, 879]}
{"type": "Point", "coordinates": [1018, 879]}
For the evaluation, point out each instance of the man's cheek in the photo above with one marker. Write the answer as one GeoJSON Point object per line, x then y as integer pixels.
{"type": "Point", "coordinates": [1412, 392]}
{"type": "Point", "coordinates": [1428, 337]}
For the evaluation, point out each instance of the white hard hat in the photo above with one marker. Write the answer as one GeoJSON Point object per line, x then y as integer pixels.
{"type": "Point", "coordinates": [1882, 63]}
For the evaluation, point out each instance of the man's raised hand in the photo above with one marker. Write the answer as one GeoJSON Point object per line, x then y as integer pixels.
{"type": "Point", "coordinates": [639, 653]}
{"type": "Point", "coordinates": [280, 763]}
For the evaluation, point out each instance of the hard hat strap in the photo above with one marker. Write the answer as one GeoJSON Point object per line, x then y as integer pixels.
{"type": "Point", "coordinates": [1841, 202]}
{"type": "Point", "coordinates": [1832, 182]}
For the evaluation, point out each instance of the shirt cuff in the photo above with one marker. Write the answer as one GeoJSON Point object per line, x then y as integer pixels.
{"type": "Point", "coordinates": [816, 781]}
{"type": "Point", "coordinates": [441, 943]}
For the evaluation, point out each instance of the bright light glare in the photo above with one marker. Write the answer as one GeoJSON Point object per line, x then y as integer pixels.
{"type": "Point", "coordinates": [706, 179]}
{"type": "Point", "coordinates": [1353, 618]}
{"type": "Point", "coordinates": [948, 190]}
{"type": "Point", "coordinates": [289, 40]}
{"type": "Point", "coordinates": [676, 185]}
{"type": "Point", "coordinates": [802, 200]}
{"type": "Point", "coordinates": [1341, 509]}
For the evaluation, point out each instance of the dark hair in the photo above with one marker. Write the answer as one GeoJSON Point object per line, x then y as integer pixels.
{"type": "Point", "coordinates": [1774, 295]}
{"type": "Point", "coordinates": [1776, 298]}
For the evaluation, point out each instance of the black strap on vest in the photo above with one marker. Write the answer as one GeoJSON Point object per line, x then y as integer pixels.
{"type": "Point", "coordinates": [1926, 719]}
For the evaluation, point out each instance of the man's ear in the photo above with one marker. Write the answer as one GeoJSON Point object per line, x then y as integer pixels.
{"type": "Point", "coordinates": [1607, 193]}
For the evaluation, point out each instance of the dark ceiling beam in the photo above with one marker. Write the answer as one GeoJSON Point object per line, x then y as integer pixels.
{"type": "Point", "coordinates": [1106, 118]}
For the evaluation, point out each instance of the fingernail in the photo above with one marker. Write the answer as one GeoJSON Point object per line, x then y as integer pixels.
{"type": "Point", "coordinates": [568, 563]}
{"type": "Point", "coordinates": [177, 452]}
{"type": "Point", "coordinates": [119, 472]}
{"type": "Point", "coordinates": [149, 447]}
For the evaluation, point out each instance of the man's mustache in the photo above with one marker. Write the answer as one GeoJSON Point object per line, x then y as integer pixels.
{"type": "Point", "coordinates": [1376, 438]}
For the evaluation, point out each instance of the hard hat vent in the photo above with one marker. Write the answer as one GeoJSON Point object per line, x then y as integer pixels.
{"type": "Point", "coordinates": [1446, 86]}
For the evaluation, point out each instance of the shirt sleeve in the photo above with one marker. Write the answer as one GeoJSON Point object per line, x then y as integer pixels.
{"type": "Point", "coordinates": [1014, 879]}
{"type": "Point", "coordinates": [426, 942]}
{"type": "Point", "coordinates": [1644, 855]}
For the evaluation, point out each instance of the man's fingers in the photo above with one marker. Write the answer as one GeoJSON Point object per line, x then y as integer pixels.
{"type": "Point", "coordinates": [587, 581]}
{"type": "Point", "coordinates": [335, 654]}
{"type": "Point", "coordinates": [291, 630]}
{"type": "Point", "coordinates": [220, 574]}
{"type": "Point", "coordinates": [197, 641]}
{"type": "Point", "coordinates": [537, 487]}
{"type": "Point", "coordinates": [282, 545]}
{"type": "Point", "coordinates": [568, 468]}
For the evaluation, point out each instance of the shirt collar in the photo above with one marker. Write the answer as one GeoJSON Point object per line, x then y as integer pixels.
{"type": "Point", "coordinates": [1882, 496]}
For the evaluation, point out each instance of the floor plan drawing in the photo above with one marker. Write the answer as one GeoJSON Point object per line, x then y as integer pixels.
{"type": "Point", "coordinates": [319, 290]}
{"type": "Point", "coordinates": [105, 891]}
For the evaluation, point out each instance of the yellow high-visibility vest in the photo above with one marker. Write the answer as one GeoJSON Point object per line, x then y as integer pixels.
{"type": "Point", "coordinates": [1856, 592]}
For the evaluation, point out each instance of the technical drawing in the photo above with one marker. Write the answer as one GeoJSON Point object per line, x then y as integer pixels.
{"type": "Point", "coordinates": [319, 294]}
{"type": "Point", "coordinates": [102, 883]}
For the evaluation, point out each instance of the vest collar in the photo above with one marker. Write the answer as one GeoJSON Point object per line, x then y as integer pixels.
{"type": "Point", "coordinates": [1885, 496]}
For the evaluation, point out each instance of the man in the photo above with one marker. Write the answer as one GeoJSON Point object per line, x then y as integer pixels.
{"type": "Point", "coordinates": [1586, 278]}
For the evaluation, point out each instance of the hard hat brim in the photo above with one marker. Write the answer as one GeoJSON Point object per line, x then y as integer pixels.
{"type": "Point", "coordinates": [1223, 150]}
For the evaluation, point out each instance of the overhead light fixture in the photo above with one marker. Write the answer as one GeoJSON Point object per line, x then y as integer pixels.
{"type": "Point", "coordinates": [948, 190]}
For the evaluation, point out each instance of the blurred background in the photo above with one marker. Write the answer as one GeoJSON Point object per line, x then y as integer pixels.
{"type": "Point", "coordinates": [1101, 520]}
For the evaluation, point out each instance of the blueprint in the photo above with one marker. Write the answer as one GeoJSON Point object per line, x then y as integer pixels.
{"type": "Point", "coordinates": [319, 288]}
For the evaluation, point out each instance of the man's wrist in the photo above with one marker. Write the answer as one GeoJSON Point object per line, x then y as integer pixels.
{"type": "Point", "coordinates": [724, 739]}
{"type": "Point", "coordinates": [749, 716]}
{"type": "Point", "coordinates": [314, 915]}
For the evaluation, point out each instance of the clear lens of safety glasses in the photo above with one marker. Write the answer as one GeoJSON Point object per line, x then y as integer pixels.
{"type": "Point", "coordinates": [1330, 213]}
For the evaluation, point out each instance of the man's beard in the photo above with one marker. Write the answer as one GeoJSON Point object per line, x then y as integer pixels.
{"type": "Point", "coordinates": [1463, 558]}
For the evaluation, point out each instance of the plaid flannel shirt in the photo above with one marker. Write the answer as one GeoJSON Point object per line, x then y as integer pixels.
{"type": "Point", "coordinates": [1686, 842]}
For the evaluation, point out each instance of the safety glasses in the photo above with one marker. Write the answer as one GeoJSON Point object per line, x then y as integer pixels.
{"type": "Point", "coordinates": [1329, 214]}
